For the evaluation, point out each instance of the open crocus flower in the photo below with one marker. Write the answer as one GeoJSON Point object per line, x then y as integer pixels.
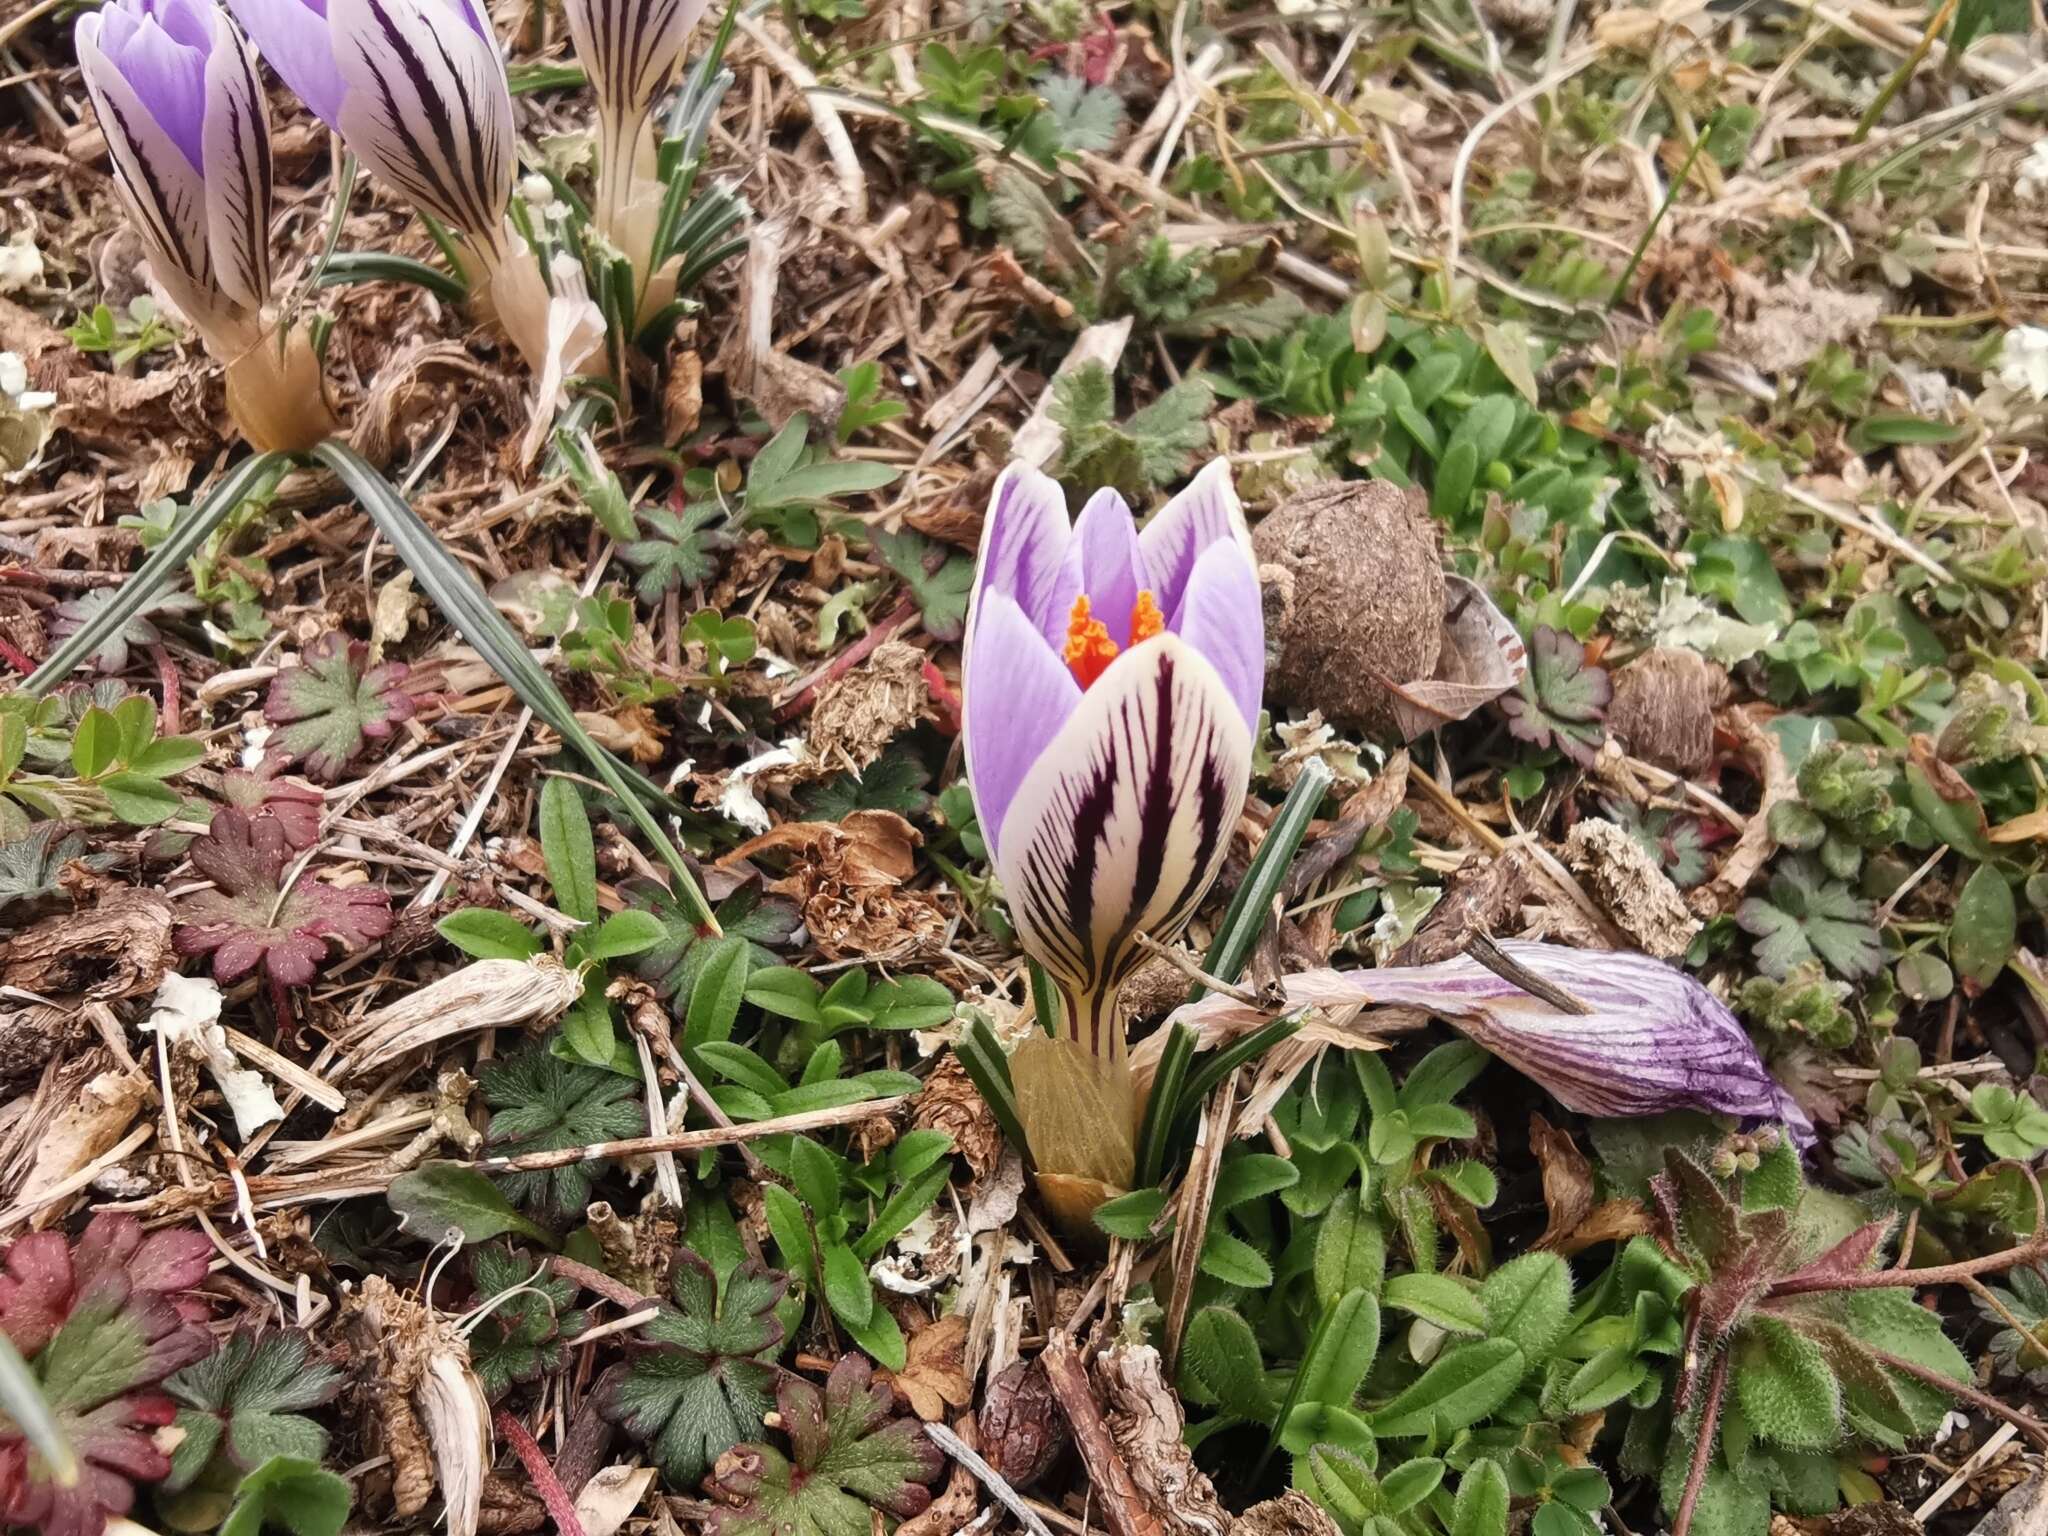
{"type": "Point", "coordinates": [1112, 681]}
{"type": "Point", "coordinates": [189, 137]}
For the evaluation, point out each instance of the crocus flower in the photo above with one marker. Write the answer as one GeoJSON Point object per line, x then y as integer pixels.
{"type": "Point", "coordinates": [1655, 1040]}
{"type": "Point", "coordinates": [189, 136]}
{"type": "Point", "coordinates": [629, 49]}
{"type": "Point", "coordinates": [1112, 681]}
{"type": "Point", "coordinates": [416, 88]}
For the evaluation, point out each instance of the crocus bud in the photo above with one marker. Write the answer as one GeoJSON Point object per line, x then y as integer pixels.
{"type": "Point", "coordinates": [189, 136]}
{"type": "Point", "coordinates": [1112, 683]}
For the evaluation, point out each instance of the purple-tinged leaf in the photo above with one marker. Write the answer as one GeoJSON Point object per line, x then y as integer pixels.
{"type": "Point", "coordinates": [1562, 700]}
{"type": "Point", "coordinates": [333, 701]}
{"type": "Point", "coordinates": [250, 918]}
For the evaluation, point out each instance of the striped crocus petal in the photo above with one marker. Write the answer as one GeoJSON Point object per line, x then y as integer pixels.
{"type": "Point", "coordinates": [158, 180]}
{"type": "Point", "coordinates": [428, 108]}
{"type": "Point", "coordinates": [238, 172]}
{"type": "Point", "coordinates": [629, 49]}
{"type": "Point", "coordinates": [1121, 824]}
{"type": "Point", "coordinates": [1655, 1040]}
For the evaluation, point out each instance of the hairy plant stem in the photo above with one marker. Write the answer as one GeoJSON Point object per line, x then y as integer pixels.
{"type": "Point", "coordinates": [1939, 1274]}
{"type": "Point", "coordinates": [1703, 1447]}
{"type": "Point", "coordinates": [1962, 1392]}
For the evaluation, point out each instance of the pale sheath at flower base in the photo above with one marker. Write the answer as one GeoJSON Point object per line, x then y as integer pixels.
{"type": "Point", "coordinates": [1112, 682]}
{"type": "Point", "coordinates": [189, 136]}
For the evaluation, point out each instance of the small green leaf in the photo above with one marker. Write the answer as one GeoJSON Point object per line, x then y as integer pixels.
{"type": "Point", "coordinates": [1528, 1300]}
{"type": "Point", "coordinates": [1462, 1387]}
{"type": "Point", "coordinates": [1342, 1351]}
{"type": "Point", "coordinates": [436, 1200]}
{"type": "Point", "coordinates": [1410, 1483]}
{"type": "Point", "coordinates": [1437, 1299]}
{"type": "Point", "coordinates": [94, 743]}
{"type": "Point", "coordinates": [790, 1228]}
{"type": "Point", "coordinates": [786, 992]}
{"type": "Point", "coordinates": [139, 800]}
{"type": "Point", "coordinates": [623, 933]}
{"type": "Point", "coordinates": [715, 998]}
{"type": "Point", "coordinates": [1221, 1354]}
{"type": "Point", "coordinates": [1350, 1250]}
{"type": "Point", "coordinates": [847, 1287]}
{"type": "Point", "coordinates": [1234, 1262]}
{"type": "Point", "coordinates": [567, 848]}
{"type": "Point", "coordinates": [1782, 1380]}
{"type": "Point", "coordinates": [289, 1493]}
{"type": "Point", "coordinates": [1131, 1216]}
{"type": "Point", "coordinates": [488, 934]}
{"type": "Point", "coordinates": [1481, 1508]}
{"type": "Point", "coordinates": [1986, 927]}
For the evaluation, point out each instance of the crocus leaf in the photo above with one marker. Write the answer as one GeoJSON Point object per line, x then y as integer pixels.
{"type": "Point", "coordinates": [250, 917]}
{"type": "Point", "coordinates": [1562, 700]}
{"type": "Point", "coordinates": [850, 1456]}
{"type": "Point", "coordinates": [334, 702]}
{"type": "Point", "coordinates": [709, 1378]}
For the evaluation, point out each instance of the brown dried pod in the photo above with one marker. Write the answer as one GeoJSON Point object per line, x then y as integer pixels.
{"type": "Point", "coordinates": [1663, 708]}
{"type": "Point", "coordinates": [1022, 1430]}
{"type": "Point", "coordinates": [1363, 561]}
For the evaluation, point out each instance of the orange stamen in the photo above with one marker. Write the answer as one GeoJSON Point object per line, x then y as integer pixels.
{"type": "Point", "coordinates": [1146, 619]}
{"type": "Point", "coordinates": [1089, 650]}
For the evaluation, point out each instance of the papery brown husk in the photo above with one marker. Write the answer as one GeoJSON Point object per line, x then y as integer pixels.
{"type": "Point", "coordinates": [1080, 1114]}
{"type": "Point", "coordinates": [278, 399]}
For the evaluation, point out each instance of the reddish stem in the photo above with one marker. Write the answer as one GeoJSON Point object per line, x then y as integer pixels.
{"type": "Point", "coordinates": [1940, 1274]}
{"type": "Point", "coordinates": [1703, 1448]}
{"type": "Point", "coordinates": [14, 658]}
{"type": "Point", "coordinates": [561, 1508]}
{"type": "Point", "coordinates": [596, 1280]}
{"type": "Point", "coordinates": [167, 676]}
{"type": "Point", "coordinates": [847, 659]}
{"type": "Point", "coordinates": [1984, 1401]}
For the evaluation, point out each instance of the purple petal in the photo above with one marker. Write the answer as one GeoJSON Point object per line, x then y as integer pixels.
{"type": "Point", "coordinates": [1655, 1041]}
{"type": "Point", "coordinates": [238, 175]}
{"type": "Point", "coordinates": [427, 108]}
{"type": "Point", "coordinates": [1025, 549]}
{"type": "Point", "coordinates": [1205, 514]}
{"type": "Point", "coordinates": [1224, 619]}
{"type": "Point", "coordinates": [168, 73]}
{"type": "Point", "coordinates": [294, 39]}
{"type": "Point", "coordinates": [1111, 569]}
{"type": "Point", "coordinates": [1124, 824]}
{"type": "Point", "coordinates": [1017, 695]}
{"type": "Point", "coordinates": [159, 180]}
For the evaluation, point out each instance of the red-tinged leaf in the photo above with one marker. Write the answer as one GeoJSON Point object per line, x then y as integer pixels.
{"type": "Point", "coordinates": [330, 704]}
{"type": "Point", "coordinates": [1562, 700]}
{"type": "Point", "coordinates": [295, 806]}
{"type": "Point", "coordinates": [1852, 1255]}
{"type": "Point", "coordinates": [101, 1324]}
{"type": "Point", "coordinates": [248, 918]}
{"type": "Point", "coordinates": [851, 1455]}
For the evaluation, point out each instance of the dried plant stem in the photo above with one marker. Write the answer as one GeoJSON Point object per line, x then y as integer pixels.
{"type": "Point", "coordinates": [1965, 1393]}
{"type": "Point", "coordinates": [1891, 88]}
{"type": "Point", "coordinates": [1703, 1447]}
{"type": "Point", "coordinates": [989, 1477]}
{"type": "Point", "coordinates": [1122, 1505]}
{"type": "Point", "coordinates": [597, 1281]}
{"type": "Point", "coordinates": [690, 1141]}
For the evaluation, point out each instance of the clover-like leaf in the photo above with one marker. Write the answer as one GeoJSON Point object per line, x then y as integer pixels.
{"type": "Point", "coordinates": [521, 1338]}
{"type": "Point", "coordinates": [543, 1103]}
{"type": "Point", "coordinates": [679, 551]}
{"type": "Point", "coordinates": [333, 701]}
{"type": "Point", "coordinates": [851, 1456]}
{"type": "Point", "coordinates": [671, 966]}
{"type": "Point", "coordinates": [250, 917]}
{"type": "Point", "coordinates": [241, 1403]}
{"type": "Point", "coordinates": [1805, 916]}
{"type": "Point", "coordinates": [100, 1329]}
{"type": "Point", "coordinates": [76, 613]}
{"type": "Point", "coordinates": [709, 1379]}
{"type": "Point", "coordinates": [939, 579]}
{"type": "Point", "coordinates": [1563, 698]}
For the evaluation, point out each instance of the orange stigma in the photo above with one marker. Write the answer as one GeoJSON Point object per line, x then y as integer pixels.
{"type": "Point", "coordinates": [1089, 650]}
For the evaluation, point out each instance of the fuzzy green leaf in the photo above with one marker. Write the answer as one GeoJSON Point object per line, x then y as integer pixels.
{"type": "Point", "coordinates": [1783, 1383]}
{"type": "Point", "coordinates": [542, 1103]}
{"type": "Point", "coordinates": [1460, 1388]}
{"type": "Point", "coordinates": [1529, 1300]}
{"type": "Point", "coordinates": [243, 1401]}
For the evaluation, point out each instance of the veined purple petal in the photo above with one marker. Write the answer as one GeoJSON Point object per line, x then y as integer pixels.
{"type": "Point", "coordinates": [238, 172]}
{"type": "Point", "coordinates": [1655, 1041]}
{"type": "Point", "coordinates": [1205, 514]}
{"type": "Point", "coordinates": [1017, 693]}
{"type": "Point", "coordinates": [159, 180]}
{"type": "Point", "coordinates": [427, 107]}
{"type": "Point", "coordinates": [157, 55]}
{"type": "Point", "coordinates": [1123, 824]}
{"type": "Point", "coordinates": [1224, 619]}
{"type": "Point", "coordinates": [1025, 549]}
{"type": "Point", "coordinates": [1111, 569]}
{"type": "Point", "coordinates": [294, 38]}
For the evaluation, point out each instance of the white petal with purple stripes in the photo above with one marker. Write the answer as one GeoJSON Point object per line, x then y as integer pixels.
{"type": "Point", "coordinates": [238, 174]}
{"type": "Point", "coordinates": [1122, 823]}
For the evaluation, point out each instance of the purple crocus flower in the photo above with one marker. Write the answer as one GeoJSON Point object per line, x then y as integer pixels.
{"type": "Point", "coordinates": [1112, 681]}
{"type": "Point", "coordinates": [416, 88]}
{"type": "Point", "coordinates": [1655, 1039]}
{"type": "Point", "coordinates": [189, 137]}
